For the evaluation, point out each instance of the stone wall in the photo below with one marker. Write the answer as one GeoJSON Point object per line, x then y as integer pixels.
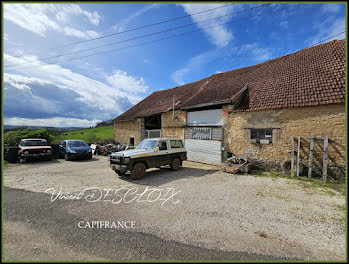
{"type": "Point", "coordinates": [124, 130]}
{"type": "Point", "coordinates": [303, 122]}
{"type": "Point", "coordinates": [325, 120]}
{"type": "Point", "coordinates": [173, 127]}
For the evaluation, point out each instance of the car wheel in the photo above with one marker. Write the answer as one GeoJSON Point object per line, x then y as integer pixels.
{"type": "Point", "coordinates": [175, 164]}
{"type": "Point", "coordinates": [66, 157]}
{"type": "Point", "coordinates": [138, 171]}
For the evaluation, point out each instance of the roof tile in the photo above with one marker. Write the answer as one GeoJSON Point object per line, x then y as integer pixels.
{"type": "Point", "coordinates": [312, 76]}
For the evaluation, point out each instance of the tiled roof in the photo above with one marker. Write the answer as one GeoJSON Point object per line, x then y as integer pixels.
{"type": "Point", "coordinates": [312, 76]}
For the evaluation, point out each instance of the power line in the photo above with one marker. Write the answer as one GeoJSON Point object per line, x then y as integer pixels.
{"type": "Point", "coordinates": [149, 25]}
{"type": "Point", "coordinates": [144, 43]}
{"type": "Point", "coordinates": [134, 29]}
{"type": "Point", "coordinates": [139, 37]}
{"type": "Point", "coordinates": [140, 44]}
{"type": "Point", "coordinates": [197, 30]}
{"type": "Point", "coordinates": [95, 54]}
{"type": "Point", "coordinates": [326, 39]}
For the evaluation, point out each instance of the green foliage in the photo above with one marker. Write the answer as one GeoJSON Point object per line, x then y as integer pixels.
{"type": "Point", "coordinates": [100, 135]}
{"type": "Point", "coordinates": [92, 138]}
{"type": "Point", "coordinates": [305, 182]}
{"type": "Point", "coordinates": [105, 123]}
{"type": "Point", "coordinates": [106, 141]}
{"type": "Point", "coordinates": [12, 138]}
{"type": "Point", "coordinates": [90, 135]}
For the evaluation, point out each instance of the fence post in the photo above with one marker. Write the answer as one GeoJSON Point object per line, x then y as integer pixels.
{"type": "Point", "coordinates": [298, 152]}
{"type": "Point", "coordinates": [292, 156]}
{"type": "Point", "coordinates": [311, 148]}
{"type": "Point", "coordinates": [325, 159]}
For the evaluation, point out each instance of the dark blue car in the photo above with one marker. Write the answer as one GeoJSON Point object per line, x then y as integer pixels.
{"type": "Point", "coordinates": [74, 149]}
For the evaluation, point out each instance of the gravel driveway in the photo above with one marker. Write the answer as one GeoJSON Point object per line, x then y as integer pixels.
{"type": "Point", "coordinates": [216, 210]}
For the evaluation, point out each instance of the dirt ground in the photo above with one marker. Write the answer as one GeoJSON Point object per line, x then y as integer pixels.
{"type": "Point", "coordinates": [215, 210]}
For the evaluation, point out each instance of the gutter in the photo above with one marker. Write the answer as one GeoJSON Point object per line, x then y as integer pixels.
{"type": "Point", "coordinates": [207, 104]}
{"type": "Point", "coordinates": [124, 120]}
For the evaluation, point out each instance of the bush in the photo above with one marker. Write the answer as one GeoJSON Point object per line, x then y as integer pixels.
{"type": "Point", "coordinates": [105, 123]}
{"type": "Point", "coordinates": [105, 141]}
{"type": "Point", "coordinates": [55, 141]}
{"type": "Point", "coordinates": [12, 138]}
{"type": "Point", "coordinates": [92, 138]}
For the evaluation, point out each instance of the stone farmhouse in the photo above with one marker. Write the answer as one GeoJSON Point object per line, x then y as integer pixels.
{"type": "Point", "coordinates": [253, 111]}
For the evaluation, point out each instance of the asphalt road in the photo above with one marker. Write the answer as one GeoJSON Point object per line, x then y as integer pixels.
{"type": "Point", "coordinates": [36, 229]}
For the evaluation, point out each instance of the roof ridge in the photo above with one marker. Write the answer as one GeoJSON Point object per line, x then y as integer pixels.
{"type": "Point", "coordinates": [311, 76]}
{"type": "Point", "coordinates": [256, 65]}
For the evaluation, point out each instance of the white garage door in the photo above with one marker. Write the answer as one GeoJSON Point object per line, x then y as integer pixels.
{"type": "Point", "coordinates": [204, 151]}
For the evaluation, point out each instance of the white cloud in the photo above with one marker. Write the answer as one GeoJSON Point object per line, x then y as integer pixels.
{"type": "Point", "coordinates": [178, 75]}
{"type": "Point", "coordinates": [42, 18]}
{"type": "Point", "coordinates": [32, 17]}
{"type": "Point", "coordinates": [21, 82]}
{"type": "Point", "coordinates": [121, 26]}
{"type": "Point", "coordinates": [121, 80]}
{"type": "Point", "coordinates": [284, 24]}
{"type": "Point", "coordinates": [5, 36]}
{"type": "Point", "coordinates": [53, 122]}
{"type": "Point", "coordinates": [328, 28]}
{"type": "Point", "coordinates": [91, 92]}
{"type": "Point", "coordinates": [254, 51]}
{"type": "Point", "coordinates": [220, 35]}
{"type": "Point", "coordinates": [331, 8]}
{"type": "Point", "coordinates": [80, 34]}
{"type": "Point", "coordinates": [196, 64]}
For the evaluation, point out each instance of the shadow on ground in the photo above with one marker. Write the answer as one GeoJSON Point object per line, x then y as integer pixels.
{"type": "Point", "coordinates": [156, 177]}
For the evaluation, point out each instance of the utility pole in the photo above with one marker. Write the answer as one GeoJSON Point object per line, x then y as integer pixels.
{"type": "Point", "coordinates": [173, 106]}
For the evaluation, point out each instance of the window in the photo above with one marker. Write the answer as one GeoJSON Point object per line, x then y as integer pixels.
{"type": "Point", "coordinates": [147, 144]}
{"type": "Point", "coordinates": [162, 145]}
{"type": "Point", "coordinates": [76, 143]}
{"type": "Point", "coordinates": [262, 136]}
{"type": "Point", "coordinates": [201, 133]}
{"type": "Point", "coordinates": [40, 142]}
{"type": "Point", "coordinates": [132, 141]}
{"type": "Point", "coordinates": [176, 143]}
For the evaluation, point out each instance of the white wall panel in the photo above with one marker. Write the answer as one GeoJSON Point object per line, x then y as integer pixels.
{"type": "Point", "coordinates": [205, 117]}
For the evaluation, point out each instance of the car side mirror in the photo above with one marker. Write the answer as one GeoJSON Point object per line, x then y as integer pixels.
{"type": "Point", "coordinates": [156, 149]}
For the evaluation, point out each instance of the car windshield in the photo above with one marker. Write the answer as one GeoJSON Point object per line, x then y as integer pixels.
{"type": "Point", "coordinates": [147, 144]}
{"type": "Point", "coordinates": [39, 142]}
{"type": "Point", "coordinates": [76, 144]}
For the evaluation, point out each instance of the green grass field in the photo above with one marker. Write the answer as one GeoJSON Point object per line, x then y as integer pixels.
{"type": "Point", "coordinates": [89, 134]}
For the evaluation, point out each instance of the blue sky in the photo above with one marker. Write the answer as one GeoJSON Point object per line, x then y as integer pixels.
{"type": "Point", "coordinates": [84, 91]}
